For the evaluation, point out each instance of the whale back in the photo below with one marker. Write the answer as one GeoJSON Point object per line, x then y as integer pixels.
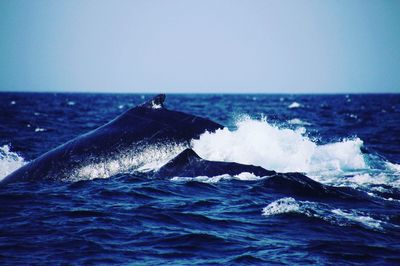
{"type": "Point", "coordinates": [189, 164]}
{"type": "Point", "coordinates": [147, 124]}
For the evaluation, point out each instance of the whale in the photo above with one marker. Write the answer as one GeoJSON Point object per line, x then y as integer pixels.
{"type": "Point", "coordinates": [189, 164]}
{"type": "Point", "coordinates": [127, 136]}
{"type": "Point", "coordinates": [148, 129]}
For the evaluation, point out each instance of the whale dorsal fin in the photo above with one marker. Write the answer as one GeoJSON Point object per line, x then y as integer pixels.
{"type": "Point", "coordinates": [184, 157]}
{"type": "Point", "coordinates": [156, 102]}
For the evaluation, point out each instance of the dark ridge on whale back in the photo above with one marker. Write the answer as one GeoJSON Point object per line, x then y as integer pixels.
{"type": "Point", "coordinates": [300, 185]}
{"type": "Point", "coordinates": [164, 123]}
{"type": "Point", "coordinates": [189, 164]}
{"type": "Point", "coordinates": [156, 100]}
{"type": "Point", "coordinates": [185, 156]}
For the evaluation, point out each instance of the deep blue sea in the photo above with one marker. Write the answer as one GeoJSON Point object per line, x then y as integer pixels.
{"type": "Point", "coordinates": [127, 217]}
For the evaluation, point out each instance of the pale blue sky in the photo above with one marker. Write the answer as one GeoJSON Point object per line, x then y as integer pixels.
{"type": "Point", "coordinates": [200, 46]}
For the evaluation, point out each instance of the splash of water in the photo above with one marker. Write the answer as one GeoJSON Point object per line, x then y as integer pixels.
{"type": "Point", "coordinates": [258, 142]}
{"type": "Point", "coordinates": [244, 176]}
{"type": "Point", "coordinates": [9, 161]}
{"type": "Point", "coordinates": [148, 159]}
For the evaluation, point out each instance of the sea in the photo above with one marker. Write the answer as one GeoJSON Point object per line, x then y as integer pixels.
{"type": "Point", "coordinates": [130, 218]}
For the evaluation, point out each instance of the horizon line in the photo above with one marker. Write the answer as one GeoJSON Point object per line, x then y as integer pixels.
{"type": "Point", "coordinates": [192, 92]}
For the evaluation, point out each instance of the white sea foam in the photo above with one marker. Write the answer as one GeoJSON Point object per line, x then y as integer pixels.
{"type": "Point", "coordinates": [322, 211]}
{"type": "Point", "coordinates": [281, 206]}
{"type": "Point", "coordinates": [260, 143]}
{"type": "Point", "coordinates": [9, 161]}
{"type": "Point", "coordinates": [294, 105]}
{"type": "Point", "coordinates": [297, 121]}
{"type": "Point", "coordinates": [257, 142]}
{"type": "Point", "coordinates": [155, 105]}
{"type": "Point", "coordinates": [244, 176]}
{"type": "Point", "coordinates": [359, 218]}
{"type": "Point", "coordinates": [378, 179]}
{"type": "Point", "coordinates": [394, 167]}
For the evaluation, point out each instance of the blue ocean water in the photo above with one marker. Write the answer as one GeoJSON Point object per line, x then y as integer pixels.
{"type": "Point", "coordinates": [350, 141]}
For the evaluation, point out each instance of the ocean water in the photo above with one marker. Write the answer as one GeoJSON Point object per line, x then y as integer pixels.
{"type": "Point", "coordinates": [109, 215]}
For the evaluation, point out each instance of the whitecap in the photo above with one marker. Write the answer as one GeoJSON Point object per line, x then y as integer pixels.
{"type": "Point", "coordinates": [354, 216]}
{"type": "Point", "coordinates": [297, 121]}
{"type": "Point", "coordinates": [155, 105]}
{"type": "Point", "coordinates": [257, 142]}
{"type": "Point", "coordinates": [281, 206]}
{"type": "Point", "coordinates": [244, 176]}
{"type": "Point", "coordinates": [294, 105]}
{"type": "Point", "coordinates": [9, 161]}
{"type": "Point", "coordinates": [393, 167]}
{"type": "Point", "coordinates": [322, 211]}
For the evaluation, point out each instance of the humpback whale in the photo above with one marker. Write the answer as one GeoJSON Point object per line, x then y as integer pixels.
{"type": "Point", "coordinates": [128, 134]}
{"type": "Point", "coordinates": [152, 125]}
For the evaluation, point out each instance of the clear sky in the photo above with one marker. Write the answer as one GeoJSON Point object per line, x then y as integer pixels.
{"type": "Point", "coordinates": [200, 46]}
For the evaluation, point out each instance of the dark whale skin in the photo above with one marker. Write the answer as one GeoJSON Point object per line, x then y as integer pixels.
{"type": "Point", "coordinates": [149, 123]}
{"type": "Point", "coordinates": [189, 164]}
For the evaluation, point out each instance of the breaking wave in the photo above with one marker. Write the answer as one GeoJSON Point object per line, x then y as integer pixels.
{"type": "Point", "coordinates": [322, 211]}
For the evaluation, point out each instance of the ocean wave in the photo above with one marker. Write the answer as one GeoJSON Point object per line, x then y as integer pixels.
{"type": "Point", "coordinates": [9, 161]}
{"type": "Point", "coordinates": [322, 211]}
